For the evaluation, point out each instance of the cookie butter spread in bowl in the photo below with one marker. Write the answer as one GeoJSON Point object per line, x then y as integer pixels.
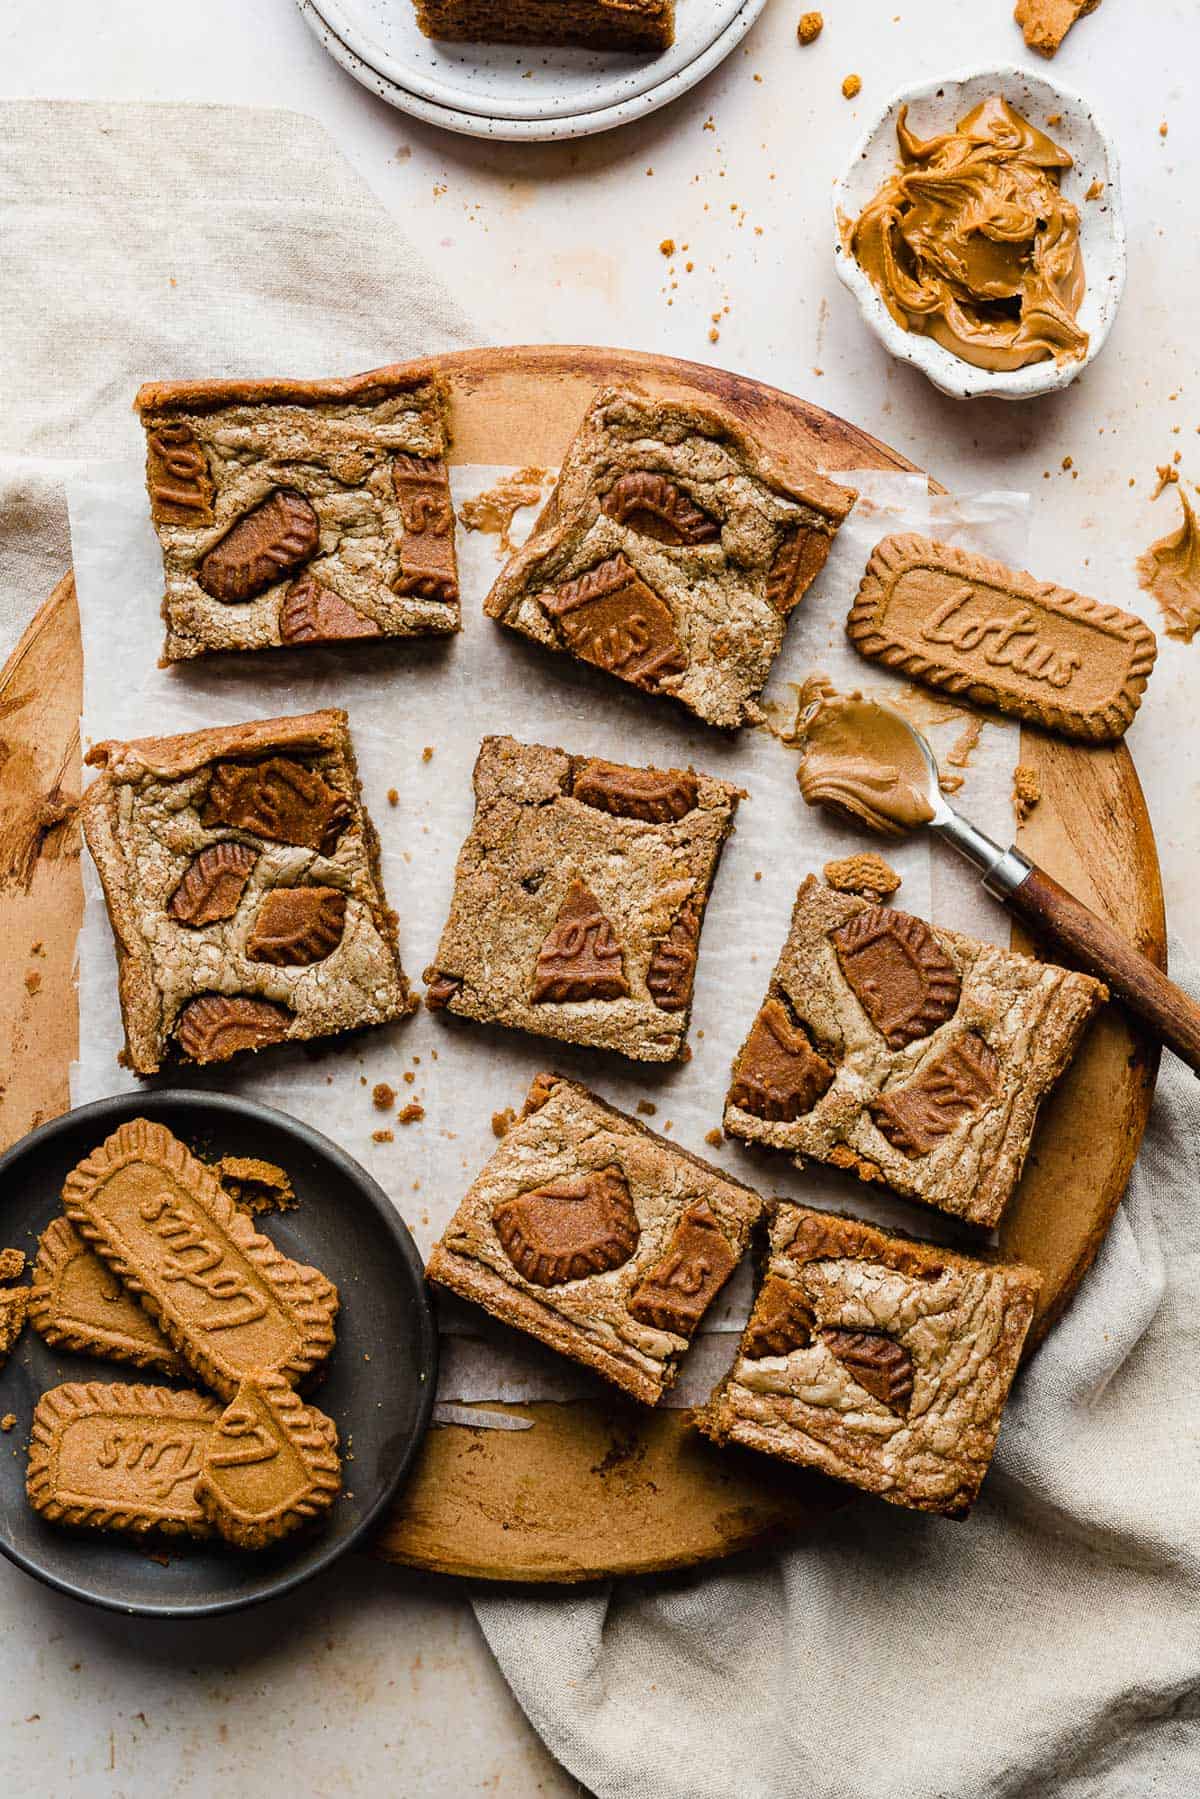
{"type": "Point", "coordinates": [979, 227]}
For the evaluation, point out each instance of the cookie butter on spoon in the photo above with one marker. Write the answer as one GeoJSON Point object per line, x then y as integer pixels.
{"type": "Point", "coordinates": [972, 242]}
{"type": "Point", "coordinates": [859, 764]}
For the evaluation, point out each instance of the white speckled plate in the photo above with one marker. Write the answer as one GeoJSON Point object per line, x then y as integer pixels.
{"type": "Point", "coordinates": [516, 81]}
{"type": "Point", "coordinates": [936, 105]}
{"type": "Point", "coordinates": [539, 123]}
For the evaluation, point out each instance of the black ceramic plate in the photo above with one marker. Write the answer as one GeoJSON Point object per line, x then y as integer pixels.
{"type": "Point", "coordinates": [378, 1389]}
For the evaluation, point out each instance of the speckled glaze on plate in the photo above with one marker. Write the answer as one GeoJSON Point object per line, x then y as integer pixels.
{"type": "Point", "coordinates": [538, 126]}
{"type": "Point", "coordinates": [936, 106]}
{"type": "Point", "coordinates": [516, 81]}
{"type": "Point", "coordinates": [378, 1385]}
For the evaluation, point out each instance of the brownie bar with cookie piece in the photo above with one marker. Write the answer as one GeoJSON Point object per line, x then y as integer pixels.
{"type": "Point", "coordinates": [912, 1055]}
{"type": "Point", "coordinates": [579, 898]}
{"type": "Point", "coordinates": [241, 875]}
{"type": "Point", "coordinates": [596, 1236]}
{"type": "Point", "coordinates": [880, 1360]}
{"type": "Point", "coordinates": [596, 24]}
{"type": "Point", "coordinates": [301, 512]}
{"type": "Point", "coordinates": [671, 552]}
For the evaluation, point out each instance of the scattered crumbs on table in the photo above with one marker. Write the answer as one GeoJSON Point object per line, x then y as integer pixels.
{"type": "Point", "coordinates": [714, 1138]}
{"type": "Point", "coordinates": [502, 1122]}
{"type": "Point", "coordinates": [409, 1077]}
{"type": "Point", "coordinates": [411, 1114]}
{"type": "Point", "coordinates": [647, 1108]}
{"type": "Point", "coordinates": [383, 1136]}
{"type": "Point", "coordinates": [810, 27]}
{"type": "Point", "coordinates": [383, 1096]}
{"type": "Point", "coordinates": [393, 796]}
{"type": "Point", "coordinates": [427, 753]}
{"type": "Point", "coordinates": [851, 87]}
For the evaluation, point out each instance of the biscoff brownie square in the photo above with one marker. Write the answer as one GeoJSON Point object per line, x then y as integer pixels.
{"type": "Point", "coordinates": [670, 553]}
{"type": "Point", "coordinates": [912, 1055]}
{"type": "Point", "coordinates": [596, 1236]}
{"type": "Point", "coordinates": [301, 512]}
{"type": "Point", "coordinates": [877, 1359]}
{"type": "Point", "coordinates": [241, 874]}
{"type": "Point", "coordinates": [634, 25]}
{"type": "Point", "coordinates": [579, 898]}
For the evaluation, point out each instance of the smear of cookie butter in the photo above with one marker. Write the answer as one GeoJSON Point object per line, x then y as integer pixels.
{"type": "Point", "coordinates": [971, 241]}
{"type": "Point", "coordinates": [861, 762]}
{"type": "Point", "coordinates": [1170, 570]}
{"type": "Point", "coordinates": [495, 508]}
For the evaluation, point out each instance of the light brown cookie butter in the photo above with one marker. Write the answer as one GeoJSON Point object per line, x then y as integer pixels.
{"type": "Point", "coordinates": [77, 1303]}
{"type": "Point", "coordinates": [270, 1465]}
{"type": "Point", "coordinates": [120, 1458]}
{"type": "Point", "coordinates": [996, 636]}
{"type": "Point", "coordinates": [224, 1296]}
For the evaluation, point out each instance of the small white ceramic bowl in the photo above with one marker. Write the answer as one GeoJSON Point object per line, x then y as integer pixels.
{"type": "Point", "coordinates": [937, 106]}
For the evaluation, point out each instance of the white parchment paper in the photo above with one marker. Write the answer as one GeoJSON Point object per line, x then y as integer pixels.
{"type": "Point", "coordinates": [409, 698]}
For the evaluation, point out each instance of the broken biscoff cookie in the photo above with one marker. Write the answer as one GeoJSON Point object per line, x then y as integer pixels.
{"type": "Point", "coordinates": [671, 552]}
{"type": "Point", "coordinates": [270, 1465]}
{"type": "Point", "coordinates": [301, 512]}
{"type": "Point", "coordinates": [866, 874]}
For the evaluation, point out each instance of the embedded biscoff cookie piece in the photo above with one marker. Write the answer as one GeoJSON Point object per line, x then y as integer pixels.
{"type": "Point", "coordinates": [882, 1361]}
{"type": "Point", "coordinates": [241, 875]}
{"type": "Point", "coordinates": [226, 1299]}
{"type": "Point", "coordinates": [301, 512]}
{"type": "Point", "coordinates": [111, 1457]}
{"type": "Point", "coordinates": [670, 553]}
{"type": "Point", "coordinates": [912, 1055]}
{"type": "Point", "coordinates": [597, 1237]}
{"type": "Point", "coordinates": [596, 24]}
{"type": "Point", "coordinates": [579, 898]}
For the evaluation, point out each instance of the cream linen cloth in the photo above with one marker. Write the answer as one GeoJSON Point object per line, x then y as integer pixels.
{"type": "Point", "coordinates": [151, 242]}
{"type": "Point", "coordinates": [1047, 1648]}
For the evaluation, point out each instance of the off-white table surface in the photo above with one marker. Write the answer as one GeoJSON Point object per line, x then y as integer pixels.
{"type": "Point", "coordinates": [373, 1681]}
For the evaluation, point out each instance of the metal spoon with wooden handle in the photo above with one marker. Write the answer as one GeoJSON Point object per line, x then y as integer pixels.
{"type": "Point", "coordinates": [894, 786]}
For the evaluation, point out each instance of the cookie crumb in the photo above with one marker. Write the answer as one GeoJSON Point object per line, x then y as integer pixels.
{"type": "Point", "coordinates": [1094, 192]}
{"type": "Point", "coordinates": [667, 246]}
{"type": "Point", "coordinates": [256, 1185]}
{"type": "Point", "coordinates": [866, 873]}
{"type": "Point", "coordinates": [393, 796]}
{"type": "Point", "coordinates": [714, 1138]}
{"type": "Point", "coordinates": [383, 1096]}
{"type": "Point", "coordinates": [427, 753]}
{"type": "Point", "coordinates": [8, 1421]}
{"type": "Point", "coordinates": [411, 1114]}
{"type": "Point", "coordinates": [383, 1136]}
{"type": "Point", "coordinates": [1027, 791]}
{"type": "Point", "coordinates": [33, 981]}
{"type": "Point", "coordinates": [810, 27]}
{"type": "Point", "coordinates": [851, 87]}
{"type": "Point", "coordinates": [502, 1122]}
{"type": "Point", "coordinates": [647, 1108]}
{"type": "Point", "coordinates": [409, 1077]}
{"type": "Point", "coordinates": [12, 1265]}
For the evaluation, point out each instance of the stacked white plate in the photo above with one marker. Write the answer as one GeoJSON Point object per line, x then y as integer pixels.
{"type": "Point", "coordinates": [519, 90]}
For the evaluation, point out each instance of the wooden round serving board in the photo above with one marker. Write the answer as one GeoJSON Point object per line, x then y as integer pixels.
{"type": "Point", "coordinates": [609, 1487]}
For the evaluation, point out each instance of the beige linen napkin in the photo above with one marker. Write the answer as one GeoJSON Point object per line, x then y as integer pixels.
{"type": "Point", "coordinates": [1047, 1648]}
{"type": "Point", "coordinates": [164, 241]}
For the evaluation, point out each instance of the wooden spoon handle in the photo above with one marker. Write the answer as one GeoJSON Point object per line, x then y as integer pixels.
{"type": "Point", "coordinates": [1102, 950]}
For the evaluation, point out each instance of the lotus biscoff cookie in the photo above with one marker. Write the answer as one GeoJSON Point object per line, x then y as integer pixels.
{"type": "Point", "coordinates": [879, 1360]}
{"type": "Point", "coordinates": [301, 512]}
{"type": "Point", "coordinates": [998, 637]}
{"type": "Point", "coordinates": [227, 1300]}
{"type": "Point", "coordinates": [269, 1466]}
{"type": "Point", "coordinates": [120, 1458]}
{"type": "Point", "coordinates": [77, 1303]}
{"type": "Point", "coordinates": [670, 553]}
